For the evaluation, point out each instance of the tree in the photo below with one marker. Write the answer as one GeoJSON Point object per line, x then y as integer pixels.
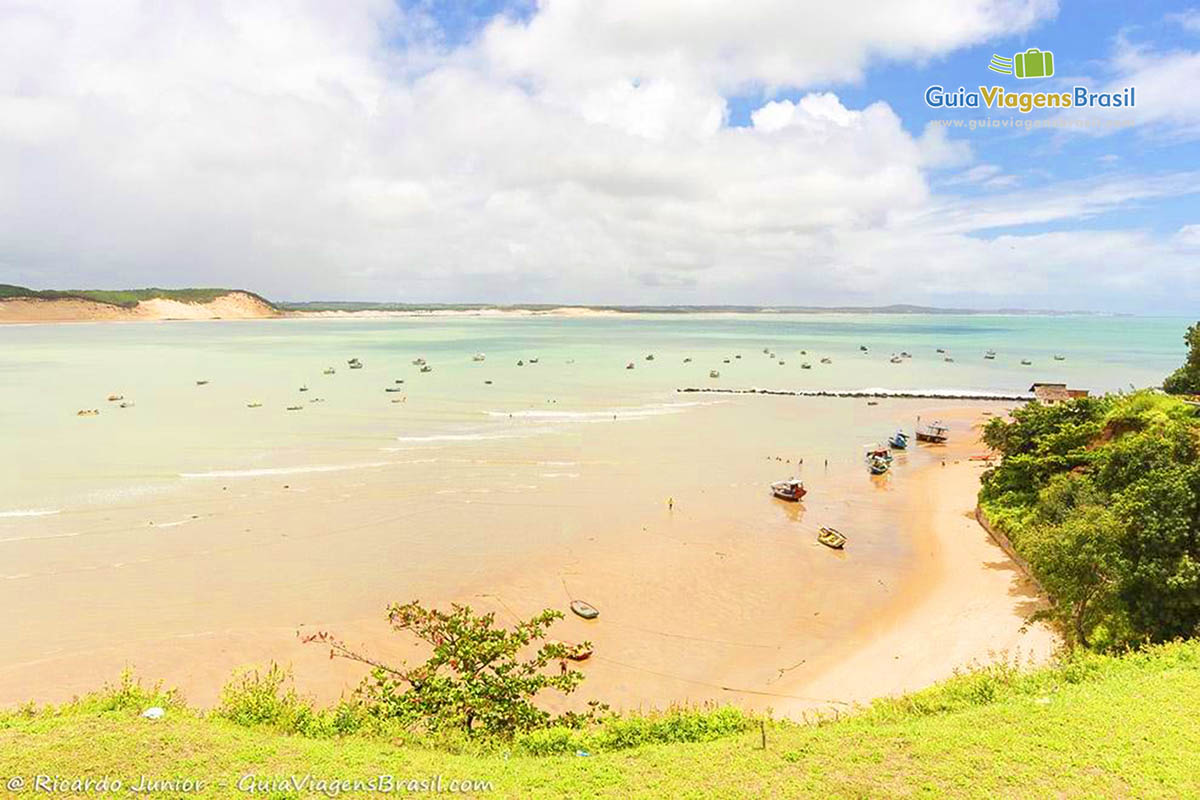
{"type": "Point", "coordinates": [1186, 379]}
{"type": "Point", "coordinates": [476, 679]}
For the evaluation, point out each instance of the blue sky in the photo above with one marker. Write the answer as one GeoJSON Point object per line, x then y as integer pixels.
{"type": "Point", "coordinates": [598, 151]}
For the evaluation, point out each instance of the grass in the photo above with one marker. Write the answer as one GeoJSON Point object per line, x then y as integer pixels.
{"type": "Point", "coordinates": [1091, 726]}
{"type": "Point", "coordinates": [126, 298]}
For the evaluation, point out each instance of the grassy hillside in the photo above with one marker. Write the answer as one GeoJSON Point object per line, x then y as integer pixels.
{"type": "Point", "coordinates": [1093, 726]}
{"type": "Point", "coordinates": [126, 298]}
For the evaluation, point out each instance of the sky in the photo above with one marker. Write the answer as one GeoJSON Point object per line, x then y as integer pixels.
{"type": "Point", "coordinates": [762, 152]}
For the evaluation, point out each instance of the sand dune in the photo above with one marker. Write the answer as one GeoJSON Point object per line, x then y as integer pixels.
{"type": "Point", "coordinates": [235, 305]}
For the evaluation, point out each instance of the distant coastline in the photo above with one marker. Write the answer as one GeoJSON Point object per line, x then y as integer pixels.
{"type": "Point", "coordinates": [19, 304]}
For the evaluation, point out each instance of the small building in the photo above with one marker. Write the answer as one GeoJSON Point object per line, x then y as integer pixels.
{"type": "Point", "coordinates": [1051, 393]}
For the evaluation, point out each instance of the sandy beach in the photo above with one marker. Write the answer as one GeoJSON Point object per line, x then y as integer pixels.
{"type": "Point", "coordinates": [723, 596]}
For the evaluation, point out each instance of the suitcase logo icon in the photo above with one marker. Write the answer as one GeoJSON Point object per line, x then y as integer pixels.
{"type": "Point", "coordinates": [1033, 63]}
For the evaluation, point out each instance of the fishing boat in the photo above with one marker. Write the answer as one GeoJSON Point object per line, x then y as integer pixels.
{"type": "Point", "coordinates": [393, 389]}
{"type": "Point", "coordinates": [791, 489]}
{"type": "Point", "coordinates": [426, 368]}
{"type": "Point", "coordinates": [522, 363]}
{"type": "Point", "coordinates": [933, 432]}
{"type": "Point", "coordinates": [201, 383]}
{"type": "Point", "coordinates": [112, 398]}
{"type": "Point", "coordinates": [712, 373]}
{"type": "Point", "coordinates": [877, 465]}
{"type": "Point", "coordinates": [1057, 357]}
{"type": "Point", "coordinates": [899, 440]}
{"type": "Point", "coordinates": [895, 359]}
{"type": "Point", "coordinates": [990, 355]}
{"type": "Point", "coordinates": [687, 360]}
{"type": "Point", "coordinates": [831, 537]}
{"type": "Point", "coordinates": [478, 357]}
{"type": "Point", "coordinates": [1025, 362]}
{"type": "Point", "coordinates": [356, 365]}
{"type": "Point", "coordinates": [863, 348]}
{"type": "Point", "coordinates": [726, 361]}
{"type": "Point", "coordinates": [295, 408]}
{"type": "Point", "coordinates": [353, 361]}
{"type": "Point", "coordinates": [806, 365]}
{"type": "Point", "coordinates": [782, 362]}
{"type": "Point", "coordinates": [948, 358]}
{"type": "Point", "coordinates": [329, 371]}
{"type": "Point", "coordinates": [418, 362]}
{"type": "Point", "coordinates": [881, 453]}
{"type": "Point", "coordinates": [629, 365]}
{"type": "Point", "coordinates": [905, 354]}
{"type": "Point", "coordinates": [585, 610]}
{"type": "Point", "coordinates": [304, 388]}
{"type": "Point", "coordinates": [88, 412]}
{"type": "Point", "coordinates": [254, 404]}
{"type": "Point", "coordinates": [941, 350]}
{"type": "Point", "coordinates": [650, 357]}
{"type": "Point", "coordinates": [826, 360]}
{"type": "Point", "coordinates": [533, 361]}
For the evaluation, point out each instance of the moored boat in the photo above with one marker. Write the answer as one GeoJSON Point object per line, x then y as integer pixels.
{"type": "Point", "coordinates": [831, 537]}
{"type": "Point", "coordinates": [712, 373]}
{"type": "Point", "coordinates": [932, 432]}
{"type": "Point", "coordinates": [585, 610]}
{"type": "Point", "coordinates": [899, 440]}
{"type": "Point", "coordinates": [791, 489]}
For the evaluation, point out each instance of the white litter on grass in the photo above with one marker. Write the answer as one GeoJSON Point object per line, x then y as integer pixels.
{"type": "Point", "coordinates": [154, 712]}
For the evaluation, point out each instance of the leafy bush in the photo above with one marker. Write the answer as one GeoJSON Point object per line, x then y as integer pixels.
{"type": "Point", "coordinates": [480, 678]}
{"type": "Point", "coordinates": [1186, 379]}
{"type": "Point", "coordinates": [127, 695]}
{"type": "Point", "coordinates": [266, 698]}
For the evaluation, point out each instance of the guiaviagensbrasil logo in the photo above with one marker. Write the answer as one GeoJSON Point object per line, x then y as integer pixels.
{"type": "Point", "coordinates": [1033, 63]}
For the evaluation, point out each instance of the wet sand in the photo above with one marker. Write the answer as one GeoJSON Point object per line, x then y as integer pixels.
{"type": "Point", "coordinates": [724, 597]}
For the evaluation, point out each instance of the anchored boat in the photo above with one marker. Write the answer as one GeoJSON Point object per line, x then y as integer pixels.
{"type": "Point", "coordinates": [933, 432]}
{"type": "Point", "coordinates": [585, 610]}
{"type": "Point", "coordinates": [899, 440]}
{"type": "Point", "coordinates": [831, 537]}
{"type": "Point", "coordinates": [791, 490]}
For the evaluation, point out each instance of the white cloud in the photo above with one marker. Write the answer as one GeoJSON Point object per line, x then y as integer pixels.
{"type": "Point", "coordinates": [582, 156]}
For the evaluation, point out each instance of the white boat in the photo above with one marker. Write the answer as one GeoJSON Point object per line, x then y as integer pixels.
{"type": "Point", "coordinates": [712, 373]}
{"type": "Point", "coordinates": [478, 357]}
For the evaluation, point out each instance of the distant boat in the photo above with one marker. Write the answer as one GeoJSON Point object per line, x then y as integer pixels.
{"type": "Point", "coordinates": [712, 373]}
{"type": "Point", "coordinates": [739, 355]}
{"type": "Point", "coordinates": [863, 348]}
{"type": "Point", "coordinates": [1059, 358]}
{"type": "Point", "coordinates": [426, 368]}
{"type": "Point", "coordinates": [899, 440]}
{"type": "Point", "coordinates": [254, 404]}
{"type": "Point", "coordinates": [948, 358]}
{"type": "Point", "coordinates": [806, 365]}
{"type": "Point", "coordinates": [905, 354]}
{"type": "Point", "coordinates": [201, 383]}
{"type": "Point", "coordinates": [304, 388]}
{"type": "Point", "coordinates": [990, 355]}
{"type": "Point", "coordinates": [877, 465]}
{"type": "Point", "coordinates": [826, 360]}
{"type": "Point", "coordinates": [1025, 362]}
{"type": "Point", "coordinates": [895, 359]}
{"type": "Point", "coordinates": [329, 371]}
{"type": "Point", "coordinates": [782, 362]}
{"type": "Point", "coordinates": [650, 357]}
{"type": "Point", "coordinates": [629, 365]}
{"type": "Point", "coordinates": [353, 361]}
{"type": "Point", "coordinates": [533, 361]}
{"type": "Point", "coordinates": [766, 350]}
{"type": "Point", "coordinates": [687, 360]}
{"type": "Point", "coordinates": [418, 362]}
{"type": "Point", "coordinates": [520, 363]}
{"type": "Point", "coordinates": [393, 389]}
{"type": "Point", "coordinates": [478, 357]}
{"type": "Point", "coordinates": [585, 610]}
{"type": "Point", "coordinates": [88, 412]}
{"type": "Point", "coordinates": [791, 490]}
{"type": "Point", "coordinates": [831, 537]}
{"type": "Point", "coordinates": [933, 432]}
{"type": "Point", "coordinates": [112, 398]}
{"type": "Point", "coordinates": [356, 365]}
{"type": "Point", "coordinates": [295, 408]}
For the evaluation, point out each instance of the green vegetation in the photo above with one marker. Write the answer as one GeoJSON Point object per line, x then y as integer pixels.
{"type": "Point", "coordinates": [1102, 497]}
{"type": "Point", "coordinates": [1186, 379]}
{"type": "Point", "coordinates": [125, 298]}
{"type": "Point", "coordinates": [475, 680]}
{"type": "Point", "coordinates": [1092, 725]}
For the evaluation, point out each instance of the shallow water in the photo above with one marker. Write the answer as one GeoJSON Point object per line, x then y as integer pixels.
{"type": "Point", "coordinates": [178, 431]}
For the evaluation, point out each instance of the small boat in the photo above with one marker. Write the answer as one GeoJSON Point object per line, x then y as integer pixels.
{"type": "Point", "coordinates": [872, 402]}
{"type": "Point", "coordinates": [863, 348]}
{"type": "Point", "coordinates": [201, 383]}
{"type": "Point", "coordinates": [803, 352]}
{"type": "Point", "coordinates": [254, 404]}
{"type": "Point", "coordinates": [112, 398]}
{"type": "Point", "coordinates": [295, 408]}
{"type": "Point", "coordinates": [806, 365]}
{"type": "Point", "coordinates": [880, 452]}
{"type": "Point", "coordinates": [771, 355]}
{"type": "Point", "coordinates": [317, 400]}
{"type": "Point", "coordinates": [687, 360]}
{"type": "Point", "coordinates": [1025, 362]}
{"type": "Point", "coordinates": [895, 359]}
{"type": "Point", "coordinates": [399, 381]}
{"type": "Point", "coordinates": [629, 365]}
{"type": "Point", "coordinates": [990, 355]}
{"type": "Point", "coordinates": [478, 357]}
{"type": "Point", "coordinates": [726, 361]}
{"type": "Point", "coordinates": [329, 371]}
{"type": "Point", "coordinates": [304, 388]}
{"type": "Point", "coordinates": [941, 350]}
{"type": "Point", "coordinates": [1057, 357]}
{"type": "Point", "coordinates": [356, 365]}
{"type": "Point", "coordinates": [125, 404]}
{"type": "Point", "coordinates": [394, 389]}
{"type": "Point", "coordinates": [353, 361]}
{"type": "Point", "coordinates": [418, 362]}
{"type": "Point", "coordinates": [520, 363]}
{"type": "Point", "coordinates": [397, 399]}
{"type": "Point", "coordinates": [782, 362]}
{"type": "Point", "coordinates": [712, 373]}
{"type": "Point", "coordinates": [426, 368]}
{"type": "Point", "coordinates": [899, 440]}
{"type": "Point", "coordinates": [739, 355]}
{"type": "Point", "coordinates": [88, 412]}
{"type": "Point", "coordinates": [791, 489]}
{"type": "Point", "coordinates": [650, 357]}
{"type": "Point", "coordinates": [826, 360]}
{"type": "Point", "coordinates": [933, 432]}
{"type": "Point", "coordinates": [831, 537]}
{"type": "Point", "coordinates": [905, 354]}
{"type": "Point", "coordinates": [766, 350]}
{"type": "Point", "coordinates": [877, 465]}
{"type": "Point", "coordinates": [585, 610]}
{"type": "Point", "coordinates": [487, 383]}
{"type": "Point", "coordinates": [533, 361]}
{"type": "Point", "coordinates": [948, 358]}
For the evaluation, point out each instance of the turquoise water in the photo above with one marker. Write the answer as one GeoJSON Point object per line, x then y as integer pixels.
{"type": "Point", "coordinates": [177, 431]}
